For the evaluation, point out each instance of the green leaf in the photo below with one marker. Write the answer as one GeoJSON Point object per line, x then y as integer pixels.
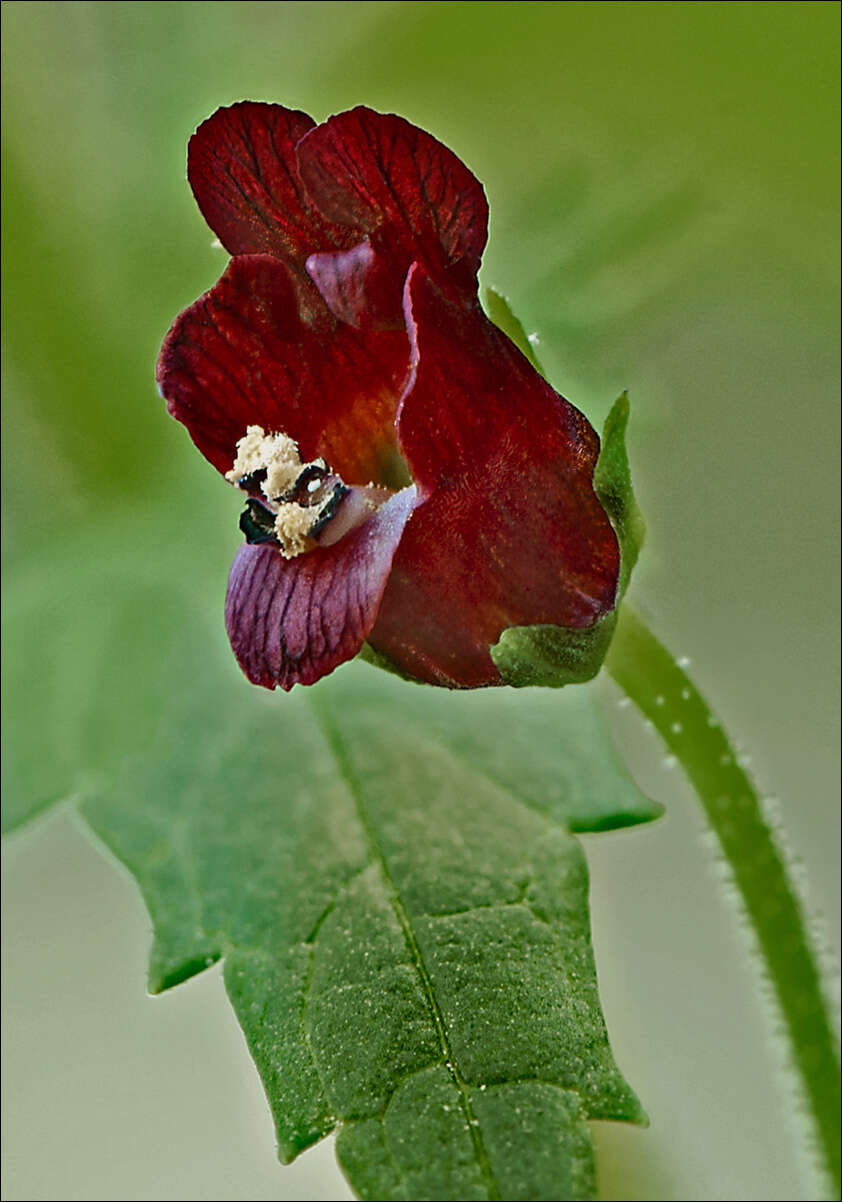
{"type": "Point", "coordinates": [405, 932]}
{"type": "Point", "coordinates": [555, 655]}
{"type": "Point", "coordinates": [96, 625]}
{"type": "Point", "coordinates": [386, 869]}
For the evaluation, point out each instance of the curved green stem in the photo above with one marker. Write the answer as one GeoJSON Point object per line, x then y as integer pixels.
{"type": "Point", "coordinates": [659, 687]}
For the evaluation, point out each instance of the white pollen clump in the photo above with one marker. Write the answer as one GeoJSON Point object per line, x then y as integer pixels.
{"type": "Point", "coordinates": [292, 525]}
{"type": "Point", "coordinates": [276, 454]}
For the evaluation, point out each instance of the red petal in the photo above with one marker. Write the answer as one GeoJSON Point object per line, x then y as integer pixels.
{"type": "Point", "coordinates": [242, 169]}
{"type": "Point", "coordinates": [242, 355]}
{"type": "Point", "coordinates": [291, 621]}
{"type": "Point", "coordinates": [395, 183]}
{"type": "Point", "coordinates": [511, 532]}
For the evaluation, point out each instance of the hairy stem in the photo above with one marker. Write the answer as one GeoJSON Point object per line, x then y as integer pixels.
{"type": "Point", "coordinates": [660, 688]}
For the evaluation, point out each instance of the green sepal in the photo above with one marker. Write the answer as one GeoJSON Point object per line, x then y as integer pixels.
{"type": "Point", "coordinates": [612, 484]}
{"type": "Point", "coordinates": [500, 312]}
{"type": "Point", "coordinates": [554, 656]}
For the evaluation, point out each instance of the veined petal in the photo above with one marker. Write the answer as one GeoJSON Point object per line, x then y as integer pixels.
{"type": "Point", "coordinates": [243, 355]}
{"type": "Point", "coordinates": [242, 168]}
{"type": "Point", "coordinates": [291, 621]}
{"type": "Point", "coordinates": [510, 532]}
{"type": "Point", "coordinates": [405, 191]}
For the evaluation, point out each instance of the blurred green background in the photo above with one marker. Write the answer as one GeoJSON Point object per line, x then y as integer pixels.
{"type": "Point", "coordinates": [663, 181]}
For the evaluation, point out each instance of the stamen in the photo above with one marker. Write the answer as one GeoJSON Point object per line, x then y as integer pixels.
{"type": "Point", "coordinates": [275, 456]}
{"type": "Point", "coordinates": [312, 478]}
{"type": "Point", "coordinates": [301, 499]}
{"type": "Point", "coordinates": [257, 523]}
{"type": "Point", "coordinates": [328, 508]}
{"type": "Point", "coordinates": [293, 525]}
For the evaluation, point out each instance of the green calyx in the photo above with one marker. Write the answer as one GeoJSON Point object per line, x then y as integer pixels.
{"type": "Point", "coordinates": [552, 656]}
{"type": "Point", "coordinates": [612, 484]}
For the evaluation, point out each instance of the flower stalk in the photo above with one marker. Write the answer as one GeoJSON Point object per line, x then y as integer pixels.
{"type": "Point", "coordinates": [663, 692]}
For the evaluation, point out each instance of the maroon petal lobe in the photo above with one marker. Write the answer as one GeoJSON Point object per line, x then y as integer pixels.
{"type": "Point", "coordinates": [511, 532]}
{"type": "Point", "coordinates": [243, 355]}
{"type": "Point", "coordinates": [408, 193]}
{"type": "Point", "coordinates": [242, 168]}
{"type": "Point", "coordinates": [291, 621]}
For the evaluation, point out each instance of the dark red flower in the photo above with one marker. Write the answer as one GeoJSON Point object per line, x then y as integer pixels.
{"type": "Point", "coordinates": [410, 481]}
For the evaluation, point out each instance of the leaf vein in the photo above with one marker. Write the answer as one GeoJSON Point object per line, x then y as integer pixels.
{"type": "Point", "coordinates": [336, 744]}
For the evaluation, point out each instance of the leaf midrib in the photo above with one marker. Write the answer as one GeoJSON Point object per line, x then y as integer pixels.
{"type": "Point", "coordinates": [336, 743]}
